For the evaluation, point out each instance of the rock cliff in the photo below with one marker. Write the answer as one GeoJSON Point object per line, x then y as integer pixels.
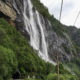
{"type": "Point", "coordinates": [15, 9]}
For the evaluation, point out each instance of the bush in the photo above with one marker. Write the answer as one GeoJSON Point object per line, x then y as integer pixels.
{"type": "Point", "coordinates": [8, 63]}
{"type": "Point", "coordinates": [30, 79]}
{"type": "Point", "coordinates": [55, 77]}
{"type": "Point", "coordinates": [28, 60]}
{"type": "Point", "coordinates": [52, 76]}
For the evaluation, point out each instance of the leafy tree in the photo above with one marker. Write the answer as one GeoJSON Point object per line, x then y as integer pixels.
{"type": "Point", "coordinates": [8, 63]}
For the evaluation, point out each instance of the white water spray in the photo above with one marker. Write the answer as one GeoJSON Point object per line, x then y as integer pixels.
{"type": "Point", "coordinates": [37, 39]}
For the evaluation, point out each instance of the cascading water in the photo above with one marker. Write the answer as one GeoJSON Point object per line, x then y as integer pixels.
{"type": "Point", "coordinates": [37, 37]}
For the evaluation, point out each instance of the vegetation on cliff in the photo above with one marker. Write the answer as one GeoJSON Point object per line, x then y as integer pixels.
{"type": "Point", "coordinates": [16, 56]}
{"type": "Point", "coordinates": [57, 26]}
{"type": "Point", "coordinates": [60, 29]}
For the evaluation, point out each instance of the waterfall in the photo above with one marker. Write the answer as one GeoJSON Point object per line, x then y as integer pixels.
{"type": "Point", "coordinates": [37, 36]}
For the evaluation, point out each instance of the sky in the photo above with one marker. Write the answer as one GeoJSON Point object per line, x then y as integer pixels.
{"type": "Point", "coordinates": [70, 10]}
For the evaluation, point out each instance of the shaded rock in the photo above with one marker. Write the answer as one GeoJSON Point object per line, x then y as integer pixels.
{"type": "Point", "coordinates": [7, 10]}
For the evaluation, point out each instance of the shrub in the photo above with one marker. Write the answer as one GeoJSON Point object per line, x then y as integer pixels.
{"type": "Point", "coordinates": [8, 63]}
{"type": "Point", "coordinates": [52, 76]}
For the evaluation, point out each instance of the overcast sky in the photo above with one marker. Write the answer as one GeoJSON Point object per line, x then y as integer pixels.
{"type": "Point", "coordinates": [71, 9]}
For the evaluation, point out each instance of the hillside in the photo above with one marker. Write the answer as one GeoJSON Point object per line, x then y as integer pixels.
{"type": "Point", "coordinates": [29, 40]}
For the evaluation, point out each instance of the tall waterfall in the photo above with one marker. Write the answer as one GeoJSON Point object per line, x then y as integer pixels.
{"type": "Point", "coordinates": [37, 36]}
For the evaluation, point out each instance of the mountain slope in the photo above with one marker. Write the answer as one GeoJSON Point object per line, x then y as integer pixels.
{"type": "Point", "coordinates": [55, 33]}
{"type": "Point", "coordinates": [45, 34]}
{"type": "Point", "coordinates": [18, 59]}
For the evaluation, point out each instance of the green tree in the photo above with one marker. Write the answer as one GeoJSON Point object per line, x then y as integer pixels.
{"type": "Point", "coordinates": [8, 63]}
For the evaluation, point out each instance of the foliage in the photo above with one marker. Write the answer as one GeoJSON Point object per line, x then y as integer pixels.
{"type": "Point", "coordinates": [62, 77]}
{"type": "Point", "coordinates": [17, 54]}
{"type": "Point", "coordinates": [26, 58]}
{"type": "Point", "coordinates": [74, 66]}
{"type": "Point", "coordinates": [8, 63]}
{"type": "Point", "coordinates": [60, 29]}
{"type": "Point", "coordinates": [30, 79]}
{"type": "Point", "coordinates": [41, 8]}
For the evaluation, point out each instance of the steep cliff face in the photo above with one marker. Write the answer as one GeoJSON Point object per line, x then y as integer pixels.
{"type": "Point", "coordinates": [75, 35]}
{"type": "Point", "coordinates": [39, 31]}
